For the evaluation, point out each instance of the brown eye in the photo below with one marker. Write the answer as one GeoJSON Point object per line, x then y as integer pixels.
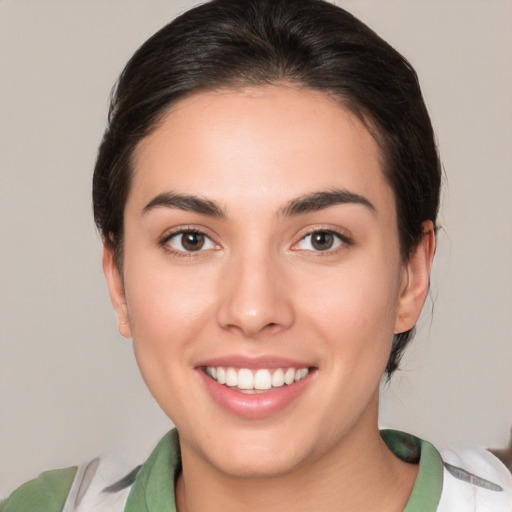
{"type": "Point", "coordinates": [190, 241]}
{"type": "Point", "coordinates": [322, 240]}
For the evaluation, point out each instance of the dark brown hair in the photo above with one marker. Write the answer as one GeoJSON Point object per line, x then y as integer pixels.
{"type": "Point", "coordinates": [306, 43]}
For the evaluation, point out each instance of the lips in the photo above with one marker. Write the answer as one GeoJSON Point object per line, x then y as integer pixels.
{"type": "Point", "coordinates": [255, 388]}
{"type": "Point", "coordinates": [262, 379]}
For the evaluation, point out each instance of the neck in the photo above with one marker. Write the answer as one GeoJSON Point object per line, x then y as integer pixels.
{"type": "Point", "coordinates": [359, 473]}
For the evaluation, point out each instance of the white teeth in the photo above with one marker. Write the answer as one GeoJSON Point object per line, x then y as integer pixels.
{"type": "Point", "coordinates": [289, 376]}
{"type": "Point", "coordinates": [262, 379]}
{"type": "Point", "coordinates": [245, 379]}
{"type": "Point", "coordinates": [278, 378]}
{"type": "Point", "coordinates": [221, 375]}
{"type": "Point", "coordinates": [231, 377]}
{"type": "Point", "coordinates": [304, 372]}
{"type": "Point", "coordinates": [300, 374]}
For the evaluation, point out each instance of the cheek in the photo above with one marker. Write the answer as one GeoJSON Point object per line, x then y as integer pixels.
{"type": "Point", "coordinates": [354, 308]}
{"type": "Point", "coordinates": [169, 311]}
{"type": "Point", "coordinates": [168, 306]}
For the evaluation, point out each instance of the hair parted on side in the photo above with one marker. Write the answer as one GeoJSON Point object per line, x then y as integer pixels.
{"type": "Point", "coordinates": [230, 44]}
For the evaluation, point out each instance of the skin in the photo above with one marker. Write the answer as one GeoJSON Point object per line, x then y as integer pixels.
{"type": "Point", "coordinates": [260, 288]}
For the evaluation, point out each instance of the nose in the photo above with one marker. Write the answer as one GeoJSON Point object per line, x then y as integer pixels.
{"type": "Point", "coordinates": [256, 298]}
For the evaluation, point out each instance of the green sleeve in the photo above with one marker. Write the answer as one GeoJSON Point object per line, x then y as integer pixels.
{"type": "Point", "coordinates": [46, 493]}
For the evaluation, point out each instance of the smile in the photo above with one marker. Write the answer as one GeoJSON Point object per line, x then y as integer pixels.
{"type": "Point", "coordinates": [255, 381]}
{"type": "Point", "coordinates": [257, 387]}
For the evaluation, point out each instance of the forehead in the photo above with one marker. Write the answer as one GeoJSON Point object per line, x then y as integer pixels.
{"type": "Point", "coordinates": [249, 145]}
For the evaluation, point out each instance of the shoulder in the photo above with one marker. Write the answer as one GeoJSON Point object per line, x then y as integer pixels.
{"type": "Point", "coordinates": [475, 480]}
{"type": "Point", "coordinates": [107, 484]}
{"type": "Point", "coordinates": [46, 493]}
{"type": "Point", "coordinates": [471, 480]}
{"type": "Point", "coordinates": [99, 485]}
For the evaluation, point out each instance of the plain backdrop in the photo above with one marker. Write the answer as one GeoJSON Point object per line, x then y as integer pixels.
{"type": "Point", "coordinates": [69, 387]}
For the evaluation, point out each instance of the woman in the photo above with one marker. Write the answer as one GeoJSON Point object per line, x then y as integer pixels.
{"type": "Point", "coordinates": [267, 192]}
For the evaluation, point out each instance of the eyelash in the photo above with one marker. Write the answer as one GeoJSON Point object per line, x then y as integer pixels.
{"type": "Point", "coordinates": [164, 242]}
{"type": "Point", "coordinates": [341, 238]}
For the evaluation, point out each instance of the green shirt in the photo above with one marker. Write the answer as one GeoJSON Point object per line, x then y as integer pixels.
{"type": "Point", "coordinates": [153, 488]}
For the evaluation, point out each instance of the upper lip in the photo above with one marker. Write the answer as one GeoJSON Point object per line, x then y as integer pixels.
{"type": "Point", "coordinates": [253, 362]}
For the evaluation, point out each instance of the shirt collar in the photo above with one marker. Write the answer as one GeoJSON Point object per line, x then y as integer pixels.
{"type": "Point", "coordinates": [153, 489]}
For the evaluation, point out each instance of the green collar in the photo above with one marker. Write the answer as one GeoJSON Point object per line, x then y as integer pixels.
{"type": "Point", "coordinates": [426, 493]}
{"type": "Point", "coordinates": [153, 490]}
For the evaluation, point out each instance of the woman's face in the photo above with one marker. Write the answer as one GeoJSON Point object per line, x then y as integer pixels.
{"type": "Point", "coordinates": [261, 247]}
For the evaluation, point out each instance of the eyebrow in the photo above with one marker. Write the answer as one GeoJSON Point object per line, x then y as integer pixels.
{"type": "Point", "coordinates": [185, 202]}
{"type": "Point", "coordinates": [307, 203]}
{"type": "Point", "coordinates": [324, 199]}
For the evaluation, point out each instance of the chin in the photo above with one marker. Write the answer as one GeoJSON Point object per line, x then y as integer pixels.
{"type": "Point", "coordinates": [259, 453]}
{"type": "Point", "coordinates": [248, 465]}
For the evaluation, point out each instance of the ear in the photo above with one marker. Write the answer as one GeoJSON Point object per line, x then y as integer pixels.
{"type": "Point", "coordinates": [415, 281]}
{"type": "Point", "coordinates": [116, 290]}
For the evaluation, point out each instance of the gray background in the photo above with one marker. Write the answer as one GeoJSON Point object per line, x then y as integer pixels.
{"type": "Point", "coordinates": [69, 387]}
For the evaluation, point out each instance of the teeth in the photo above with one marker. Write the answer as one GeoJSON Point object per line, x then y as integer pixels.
{"type": "Point", "coordinates": [212, 372]}
{"type": "Point", "coordinates": [289, 376]}
{"type": "Point", "coordinates": [231, 377]}
{"type": "Point", "coordinates": [278, 378]}
{"type": "Point", "coordinates": [300, 374]}
{"type": "Point", "coordinates": [221, 376]}
{"type": "Point", "coordinates": [245, 379]}
{"type": "Point", "coordinates": [262, 379]}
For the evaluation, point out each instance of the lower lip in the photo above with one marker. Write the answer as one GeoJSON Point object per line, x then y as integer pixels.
{"type": "Point", "coordinates": [257, 405]}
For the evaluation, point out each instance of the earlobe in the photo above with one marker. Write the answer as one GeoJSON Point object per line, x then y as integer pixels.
{"type": "Point", "coordinates": [416, 279]}
{"type": "Point", "coordinates": [116, 290]}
